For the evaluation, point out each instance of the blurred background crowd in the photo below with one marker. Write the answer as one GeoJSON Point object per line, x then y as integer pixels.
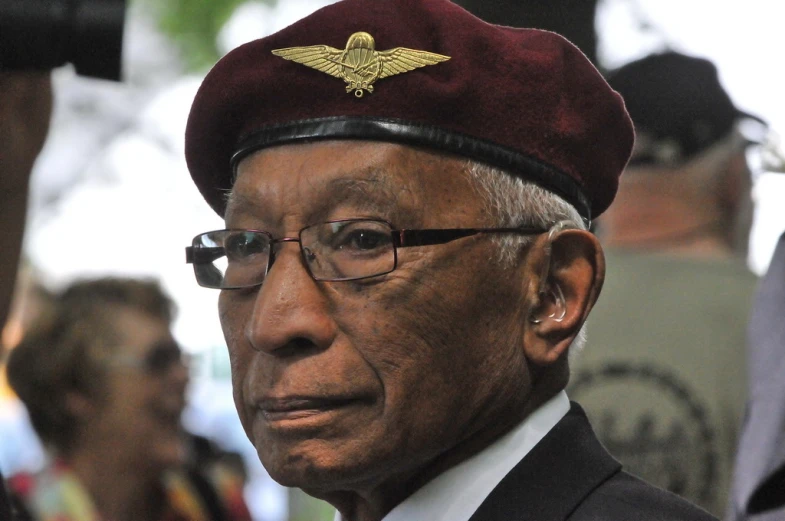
{"type": "Point", "coordinates": [112, 145]}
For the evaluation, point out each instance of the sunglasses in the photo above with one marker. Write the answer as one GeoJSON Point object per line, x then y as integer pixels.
{"type": "Point", "coordinates": [157, 361]}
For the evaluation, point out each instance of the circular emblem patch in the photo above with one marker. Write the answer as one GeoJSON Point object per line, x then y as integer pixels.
{"type": "Point", "coordinates": [647, 418]}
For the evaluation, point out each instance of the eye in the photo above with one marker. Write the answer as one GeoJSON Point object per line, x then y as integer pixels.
{"type": "Point", "coordinates": [362, 236]}
{"type": "Point", "coordinates": [241, 245]}
{"type": "Point", "coordinates": [365, 239]}
{"type": "Point", "coordinates": [162, 356]}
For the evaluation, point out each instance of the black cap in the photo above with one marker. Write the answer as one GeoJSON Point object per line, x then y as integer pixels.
{"type": "Point", "coordinates": [677, 104]}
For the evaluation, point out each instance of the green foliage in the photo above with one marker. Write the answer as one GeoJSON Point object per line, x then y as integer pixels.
{"type": "Point", "coordinates": [303, 507]}
{"type": "Point", "coordinates": [193, 25]}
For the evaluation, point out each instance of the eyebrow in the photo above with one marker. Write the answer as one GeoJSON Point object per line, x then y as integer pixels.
{"type": "Point", "coordinates": [237, 202]}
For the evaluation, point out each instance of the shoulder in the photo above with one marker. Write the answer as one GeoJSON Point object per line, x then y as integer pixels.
{"type": "Point", "coordinates": [625, 497]}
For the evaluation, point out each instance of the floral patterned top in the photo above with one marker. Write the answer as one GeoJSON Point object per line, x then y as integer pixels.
{"type": "Point", "coordinates": [55, 494]}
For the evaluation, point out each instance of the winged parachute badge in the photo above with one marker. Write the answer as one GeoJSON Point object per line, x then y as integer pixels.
{"type": "Point", "coordinates": [360, 64]}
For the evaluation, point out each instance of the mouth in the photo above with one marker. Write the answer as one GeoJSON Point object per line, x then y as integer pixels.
{"type": "Point", "coordinates": [168, 411]}
{"type": "Point", "coordinates": [294, 408]}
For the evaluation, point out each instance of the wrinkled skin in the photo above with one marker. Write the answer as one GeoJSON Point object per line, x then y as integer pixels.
{"type": "Point", "coordinates": [359, 392]}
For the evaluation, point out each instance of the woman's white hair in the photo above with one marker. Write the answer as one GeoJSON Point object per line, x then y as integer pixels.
{"type": "Point", "coordinates": [514, 202]}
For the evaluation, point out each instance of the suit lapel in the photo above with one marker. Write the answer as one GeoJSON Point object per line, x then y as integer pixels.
{"type": "Point", "coordinates": [554, 477]}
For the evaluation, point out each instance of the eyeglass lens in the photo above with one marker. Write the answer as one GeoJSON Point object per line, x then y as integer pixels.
{"type": "Point", "coordinates": [336, 250]}
{"type": "Point", "coordinates": [163, 356]}
{"type": "Point", "coordinates": [157, 361]}
{"type": "Point", "coordinates": [348, 249]}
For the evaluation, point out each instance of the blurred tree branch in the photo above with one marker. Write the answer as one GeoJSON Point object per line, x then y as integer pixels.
{"type": "Point", "coordinates": [194, 25]}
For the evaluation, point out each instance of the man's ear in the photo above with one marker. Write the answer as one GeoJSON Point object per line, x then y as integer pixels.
{"type": "Point", "coordinates": [735, 182]}
{"type": "Point", "coordinates": [567, 272]}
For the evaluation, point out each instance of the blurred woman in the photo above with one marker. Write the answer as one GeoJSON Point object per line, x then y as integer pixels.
{"type": "Point", "coordinates": [104, 383]}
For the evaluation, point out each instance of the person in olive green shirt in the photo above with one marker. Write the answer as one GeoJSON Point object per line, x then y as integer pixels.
{"type": "Point", "coordinates": [662, 376]}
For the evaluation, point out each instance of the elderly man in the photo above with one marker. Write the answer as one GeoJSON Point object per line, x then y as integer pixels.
{"type": "Point", "coordinates": [405, 264]}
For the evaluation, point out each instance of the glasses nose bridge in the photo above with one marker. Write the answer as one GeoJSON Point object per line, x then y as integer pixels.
{"type": "Point", "coordinates": [273, 242]}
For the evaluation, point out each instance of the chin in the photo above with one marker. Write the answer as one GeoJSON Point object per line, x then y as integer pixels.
{"type": "Point", "coordinates": [296, 471]}
{"type": "Point", "coordinates": [315, 469]}
{"type": "Point", "coordinates": [322, 469]}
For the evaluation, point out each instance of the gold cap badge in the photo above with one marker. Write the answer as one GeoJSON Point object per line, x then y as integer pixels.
{"type": "Point", "coordinates": [360, 64]}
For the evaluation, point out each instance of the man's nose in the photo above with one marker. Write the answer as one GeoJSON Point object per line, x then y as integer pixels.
{"type": "Point", "coordinates": [291, 312]}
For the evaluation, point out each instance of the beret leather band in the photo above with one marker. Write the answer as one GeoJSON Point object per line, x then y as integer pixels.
{"type": "Point", "coordinates": [414, 134]}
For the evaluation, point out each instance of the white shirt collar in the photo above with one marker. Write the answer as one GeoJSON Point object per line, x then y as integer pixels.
{"type": "Point", "coordinates": [457, 493]}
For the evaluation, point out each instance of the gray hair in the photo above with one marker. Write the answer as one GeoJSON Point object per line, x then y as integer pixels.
{"type": "Point", "coordinates": [514, 202]}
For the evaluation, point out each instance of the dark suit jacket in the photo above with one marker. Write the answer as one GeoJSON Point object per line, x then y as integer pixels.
{"type": "Point", "coordinates": [570, 476]}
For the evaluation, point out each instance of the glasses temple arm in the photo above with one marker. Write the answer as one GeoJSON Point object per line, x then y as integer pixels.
{"type": "Point", "coordinates": [404, 238]}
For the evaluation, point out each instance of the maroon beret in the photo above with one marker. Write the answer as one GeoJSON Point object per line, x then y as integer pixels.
{"type": "Point", "coordinates": [418, 72]}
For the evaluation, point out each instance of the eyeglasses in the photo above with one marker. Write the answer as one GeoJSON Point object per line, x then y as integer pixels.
{"type": "Point", "coordinates": [156, 362]}
{"type": "Point", "coordinates": [333, 251]}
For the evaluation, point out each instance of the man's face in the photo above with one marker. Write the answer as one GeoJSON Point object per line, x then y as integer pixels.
{"type": "Point", "coordinates": [353, 385]}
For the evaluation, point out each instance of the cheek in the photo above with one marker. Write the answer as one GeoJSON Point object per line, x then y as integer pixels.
{"type": "Point", "coordinates": [233, 315]}
{"type": "Point", "coordinates": [446, 341]}
{"type": "Point", "coordinates": [435, 316]}
{"type": "Point", "coordinates": [405, 335]}
{"type": "Point", "coordinates": [144, 396]}
{"type": "Point", "coordinates": [124, 408]}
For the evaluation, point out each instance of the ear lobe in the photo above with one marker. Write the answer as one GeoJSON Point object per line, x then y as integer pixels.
{"type": "Point", "coordinates": [574, 274]}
